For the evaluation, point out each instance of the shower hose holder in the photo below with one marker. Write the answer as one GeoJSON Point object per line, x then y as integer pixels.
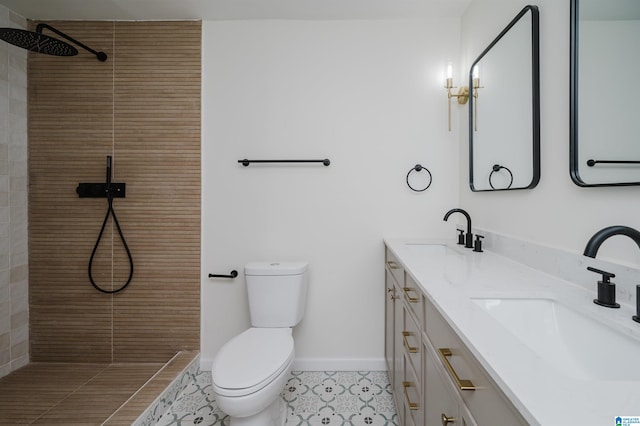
{"type": "Point", "coordinates": [101, 190]}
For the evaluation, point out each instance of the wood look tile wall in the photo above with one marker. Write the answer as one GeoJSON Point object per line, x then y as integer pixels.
{"type": "Point", "coordinates": [142, 106]}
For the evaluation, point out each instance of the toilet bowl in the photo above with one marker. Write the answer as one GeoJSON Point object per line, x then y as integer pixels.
{"type": "Point", "coordinates": [249, 374]}
{"type": "Point", "coordinates": [251, 370]}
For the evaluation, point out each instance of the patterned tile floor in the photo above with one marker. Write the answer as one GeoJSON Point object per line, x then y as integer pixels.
{"type": "Point", "coordinates": [313, 398]}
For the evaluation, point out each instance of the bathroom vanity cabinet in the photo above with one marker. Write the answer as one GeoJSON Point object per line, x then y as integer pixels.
{"type": "Point", "coordinates": [435, 378]}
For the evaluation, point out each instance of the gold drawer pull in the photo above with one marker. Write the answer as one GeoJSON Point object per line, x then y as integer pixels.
{"type": "Point", "coordinates": [408, 290]}
{"type": "Point", "coordinates": [392, 264]}
{"type": "Point", "coordinates": [462, 384]}
{"type": "Point", "coordinates": [412, 405]}
{"type": "Point", "coordinates": [446, 420]}
{"type": "Point", "coordinates": [410, 349]}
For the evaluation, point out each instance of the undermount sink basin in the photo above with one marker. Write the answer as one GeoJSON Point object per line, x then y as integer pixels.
{"type": "Point", "coordinates": [429, 249]}
{"type": "Point", "coordinates": [578, 346]}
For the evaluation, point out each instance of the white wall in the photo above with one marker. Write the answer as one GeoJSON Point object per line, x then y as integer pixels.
{"type": "Point", "coordinates": [369, 96]}
{"type": "Point", "coordinates": [557, 212]}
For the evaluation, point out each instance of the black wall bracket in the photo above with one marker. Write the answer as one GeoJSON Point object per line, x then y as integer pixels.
{"type": "Point", "coordinates": [100, 190]}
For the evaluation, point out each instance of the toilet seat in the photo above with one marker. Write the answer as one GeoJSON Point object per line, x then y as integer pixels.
{"type": "Point", "coordinates": [251, 360]}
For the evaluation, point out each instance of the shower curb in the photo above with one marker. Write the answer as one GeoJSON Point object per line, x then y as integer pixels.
{"type": "Point", "coordinates": [165, 386]}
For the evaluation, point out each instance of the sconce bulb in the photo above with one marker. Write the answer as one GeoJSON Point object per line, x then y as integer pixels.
{"type": "Point", "coordinates": [448, 83]}
{"type": "Point", "coordinates": [449, 70]}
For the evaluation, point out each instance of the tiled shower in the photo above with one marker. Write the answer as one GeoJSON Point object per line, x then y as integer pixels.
{"type": "Point", "coordinates": [59, 120]}
{"type": "Point", "coordinates": [142, 107]}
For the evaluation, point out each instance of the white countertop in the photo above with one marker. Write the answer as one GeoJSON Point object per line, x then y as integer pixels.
{"type": "Point", "coordinates": [542, 392]}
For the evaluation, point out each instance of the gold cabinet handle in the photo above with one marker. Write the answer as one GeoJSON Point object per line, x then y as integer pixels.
{"type": "Point", "coordinates": [446, 420]}
{"type": "Point", "coordinates": [410, 349]}
{"type": "Point", "coordinates": [392, 264]}
{"type": "Point", "coordinates": [412, 405]}
{"type": "Point", "coordinates": [463, 384]}
{"type": "Point", "coordinates": [408, 290]}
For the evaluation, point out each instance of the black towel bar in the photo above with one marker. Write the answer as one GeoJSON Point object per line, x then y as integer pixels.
{"type": "Point", "coordinates": [592, 163]}
{"type": "Point", "coordinates": [233, 274]}
{"type": "Point", "coordinates": [246, 162]}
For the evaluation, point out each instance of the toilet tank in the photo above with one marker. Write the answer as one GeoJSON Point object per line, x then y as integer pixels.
{"type": "Point", "coordinates": [277, 292]}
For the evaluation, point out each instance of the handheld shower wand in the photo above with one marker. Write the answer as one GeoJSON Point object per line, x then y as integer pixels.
{"type": "Point", "coordinates": [111, 191]}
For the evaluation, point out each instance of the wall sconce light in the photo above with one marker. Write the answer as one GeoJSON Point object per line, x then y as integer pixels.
{"type": "Point", "coordinates": [462, 95]}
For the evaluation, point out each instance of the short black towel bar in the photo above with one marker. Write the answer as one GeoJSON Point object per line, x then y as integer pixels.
{"type": "Point", "coordinates": [246, 162]}
{"type": "Point", "coordinates": [233, 274]}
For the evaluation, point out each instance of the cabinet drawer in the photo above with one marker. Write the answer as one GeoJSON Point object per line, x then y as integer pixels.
{"type": "Point", "coordinates": [485, 400]}
{"type": "Point", "coordinates": [412, 396]}
{"type": "Point", "coordinates": [412, 295]}
{"type": "Point", "coordinates": [395, 267]}
{"type": "Point", "coordinates": [411, 339]}
{"type": "Point", "coordinates": [441, 401]}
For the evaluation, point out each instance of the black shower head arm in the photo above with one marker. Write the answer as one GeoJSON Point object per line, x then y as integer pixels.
{"type": "Point", "coordinates": [100, 55]}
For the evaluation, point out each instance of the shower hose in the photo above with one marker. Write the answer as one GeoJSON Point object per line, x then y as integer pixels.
{"type": "Point", "coordinates": [111, 212]}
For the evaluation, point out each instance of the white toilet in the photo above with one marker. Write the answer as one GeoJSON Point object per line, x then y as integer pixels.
{"type": "Point", "coordinates": [251, 369]}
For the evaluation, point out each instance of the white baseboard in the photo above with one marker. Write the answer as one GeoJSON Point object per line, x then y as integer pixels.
{"type": "Point", "coordinates": [205, 363]}
{"type": "Point", "coordinates": [338, 364]}
{"type": "Point", "coordinates": [324, 364]}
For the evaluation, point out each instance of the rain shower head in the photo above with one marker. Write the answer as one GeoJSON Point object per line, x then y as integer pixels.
{"type": "Point", "coordinates": [37, 42]}
{"type": "Point", "coordinates": [41, 43]}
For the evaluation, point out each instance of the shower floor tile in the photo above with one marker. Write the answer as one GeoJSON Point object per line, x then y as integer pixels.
{"type": "Point", "coordinates": [67, 394]}
{"type": "Point", "coordinates": [313, 398]}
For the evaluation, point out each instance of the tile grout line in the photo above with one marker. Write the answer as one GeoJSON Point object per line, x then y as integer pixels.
{"type": "Point", "coordinates": [113, 148]}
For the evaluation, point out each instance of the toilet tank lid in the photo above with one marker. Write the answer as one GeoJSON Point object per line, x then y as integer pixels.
{"type": "Point", "coordinates": [275, 268]}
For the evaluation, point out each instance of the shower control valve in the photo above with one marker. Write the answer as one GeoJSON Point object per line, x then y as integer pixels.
{"type": "Point", "coordinates": [101, 190]}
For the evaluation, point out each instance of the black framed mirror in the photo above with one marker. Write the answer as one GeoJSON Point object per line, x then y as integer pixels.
{"type": "Point", "coordinates": [504, 108]}
{"type": "Point", "coordinates": [604, 143]}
